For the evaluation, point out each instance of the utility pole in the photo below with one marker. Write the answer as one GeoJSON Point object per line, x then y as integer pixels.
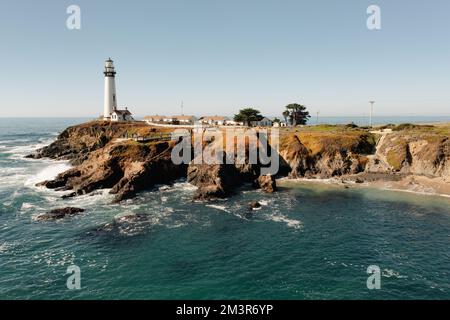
{"type": "Point", "coordinates": [182, 108]}
{"type": "Point", "coordinates": [317, 117]}
{"type": "Point", "coordinates": [371, 111]}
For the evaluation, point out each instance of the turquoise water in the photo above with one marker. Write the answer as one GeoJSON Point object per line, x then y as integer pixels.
{"type": "Point", "coordinates": [307, 242]}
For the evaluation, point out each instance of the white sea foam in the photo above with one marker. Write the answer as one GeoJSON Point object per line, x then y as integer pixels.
{"type": "Point", "coordinates": [26, 206]}
{"type": "Point", "coordinates": [99, 197]}
{"type": "Point", "coordinates": [18, 152]}
{"type": "Point", "coordinates": [48, 173]}
{"type": "Point", "coordinates": [215, 206]}
{"type": "Point", "coordinates": [129, 223]}
{"type": "Point", "coordinates": [12, 177]}
{"type": "Point", "coordinates": [54, 258]}
{"type": "Point", "coordinates": [292, 223]}
{"type": "Point", "coordinates": [7, 171]}
{"type": "Point", "coordinates": [423, 193]}
{"type": "Point", "coordinates": [184, 186]}
{"type": "Point", "coordinates": [164, 188]}
{"type": "Point", "coordinates": [177, 186]}
{"type": "Point", "coordinates": [389, 273]}
{"type": "Point", "coordinates": [4, 247]}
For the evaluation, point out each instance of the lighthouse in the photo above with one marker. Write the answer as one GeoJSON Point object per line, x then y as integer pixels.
{"type": "Point", "coordinates": [110, 90]}
{"type": "Point", "coordinates": [110, 110]}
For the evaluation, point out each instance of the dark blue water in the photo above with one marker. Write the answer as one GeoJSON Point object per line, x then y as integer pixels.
{"type": "Point", "coordinates": [309, 241]}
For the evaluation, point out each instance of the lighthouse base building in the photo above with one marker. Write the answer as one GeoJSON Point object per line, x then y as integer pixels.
{"type": "Point", "coordinates": [121, 115]}
{"type": "Point", "coordinates": [110, 110]}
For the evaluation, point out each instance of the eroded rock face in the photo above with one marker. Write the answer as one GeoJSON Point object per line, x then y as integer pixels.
{"type": "Point", "coordinates": [220, 180]}
{"type": "Point", "coordinates": [60, 213]}
{"type": "Point", "coordinates": [76, 142]}
{"type": "Point", "coordinates": [125, 168]}
{"type": "Point", "coordinates": [295, 157]}
{"type": "Point", "coordinates": [266, 183]}
{"type": "Point", "coordinates": [324, 156]}
{"type": "Point", "coordinates": [213, 181]}
{"type": "Point", "coordinates": [418, 154]}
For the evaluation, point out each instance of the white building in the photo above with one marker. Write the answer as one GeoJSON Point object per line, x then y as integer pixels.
{"type": "Point", "coordinates": [185, 119]}
{"type": "Point", "coordinates": [177, 120]}
{"type": "Point", "coordinates": [233, 123]}
{"type": "Point", "coordinates": [154, 119]}
{"type": "Point", "coordinates": [214, 120]}
{"type": "Point", "coordinates": [279, 124]}
{"type": "Point", "coordinates": [110, 111]}
{"type": "Point", "coordinates": [121, 115]}
{"type": "Point", "coordinates": [264, 122]}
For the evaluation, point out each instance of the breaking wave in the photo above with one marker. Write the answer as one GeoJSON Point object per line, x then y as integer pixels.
{"type": "Point", "coordinates": [48, 173]}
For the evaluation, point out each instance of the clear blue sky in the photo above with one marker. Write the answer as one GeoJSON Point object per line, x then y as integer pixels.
{"type": "Point", "coordinates": [219, 56]}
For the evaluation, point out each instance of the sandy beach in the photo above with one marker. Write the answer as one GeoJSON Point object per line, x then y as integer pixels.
{"type": "Point", "coordinates": [409, 183]}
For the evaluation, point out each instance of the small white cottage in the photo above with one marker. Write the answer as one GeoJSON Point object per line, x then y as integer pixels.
{"type": "Point", "coordinates": [121, 115]}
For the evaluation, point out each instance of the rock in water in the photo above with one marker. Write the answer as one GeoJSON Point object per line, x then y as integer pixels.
{"type": "Point", "coordinates": [254, 205]}
{"type": "Point", "coordinates": [267, 183]}
{"type": "Point", "coordinates": [60, 213]}
{"type": "Point", "coordinates": [213, 181]}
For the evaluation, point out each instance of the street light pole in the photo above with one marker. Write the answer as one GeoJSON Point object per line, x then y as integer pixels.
{"type": "Point", "coordinates": [371, 111]}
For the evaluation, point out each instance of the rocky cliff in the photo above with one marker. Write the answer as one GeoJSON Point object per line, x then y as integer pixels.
{"type": "Point", "coordinates": [76, 142]}
{"type": "Point", "coordinates": [124, 167]}
{"type": "Point", "coordinates": [324, 154]}
{"type": "Point", "coordinates": [103, 159]}
{"type": "Point", "coordinates": [416, 150]}
{"type": "Point", "coordinates": [408, 152]}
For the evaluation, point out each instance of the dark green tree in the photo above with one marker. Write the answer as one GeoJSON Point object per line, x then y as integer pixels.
{"type": "Point", "coordinates": [286, 115]}
{"type": "Point", "coordinates": [247, 115]}
{"type": "Point", "coordinates": [297, 114]}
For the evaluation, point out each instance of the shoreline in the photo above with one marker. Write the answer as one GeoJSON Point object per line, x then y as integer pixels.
{"type": "Point", "coordinates": [398, 186]}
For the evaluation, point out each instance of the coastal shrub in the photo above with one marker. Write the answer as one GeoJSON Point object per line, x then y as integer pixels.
{"type": "Point", "coordinates": [387, 126]}
{"type": "Point", "coordinates": [399, 155]}
{"type": "Point", "coordinates": [410, 126]}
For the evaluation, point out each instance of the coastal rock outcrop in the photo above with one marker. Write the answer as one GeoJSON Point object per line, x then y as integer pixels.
{"type": "Point", "coordinates": [421, 154]}
{"type": "Point", "coordinates": [213, 181]}
{"type": "Point", "coordinates": [325, 154]}
{"type": "Point", "coordinates": [60, 213]}
{"type": "Point", "coordinates": [76, 142]}
{"type": "Point", "coordinates": [267, 183]}
{"type": "Point", "coordinates": [125, 167]}
{"type": "Point", "coordinates": [104, 158]}
{"type": "Point", "coordinates": [296, 158]}
{"type": "Point", "coordinates": [254, 205]}
{"type": "Point", "coordinates": [220, 180]}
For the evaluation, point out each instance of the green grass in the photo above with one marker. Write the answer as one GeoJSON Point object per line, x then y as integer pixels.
{"type": "Point", "coordinates": [326, 128]}
{"type": "Point", "coordinates": [441, 130]}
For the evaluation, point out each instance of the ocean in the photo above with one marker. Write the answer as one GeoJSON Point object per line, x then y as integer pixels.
{"type": "Point", "coordinates": [308, 241]}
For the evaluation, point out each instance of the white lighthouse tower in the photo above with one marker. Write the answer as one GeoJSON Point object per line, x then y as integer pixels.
{"type": "Point", "coordinates": [110, 90]}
